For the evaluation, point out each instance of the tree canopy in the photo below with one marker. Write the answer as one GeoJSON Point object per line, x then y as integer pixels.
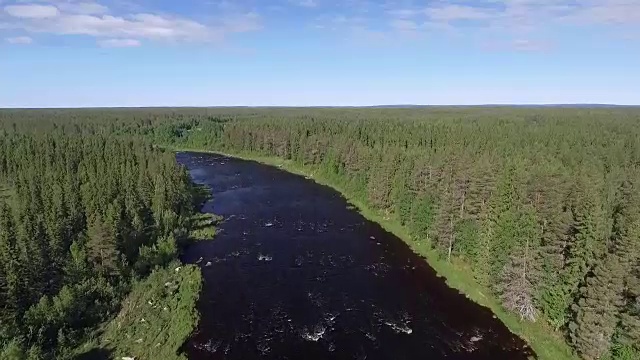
{"type": "Point", "coordinates": [541, 205]}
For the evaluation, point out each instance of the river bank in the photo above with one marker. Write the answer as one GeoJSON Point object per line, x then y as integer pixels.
{"type": "Point", "coordinates": [546, 343]}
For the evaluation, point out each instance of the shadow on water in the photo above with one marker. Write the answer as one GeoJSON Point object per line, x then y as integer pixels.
{"type": "Point", "coordinates": [297, 273]}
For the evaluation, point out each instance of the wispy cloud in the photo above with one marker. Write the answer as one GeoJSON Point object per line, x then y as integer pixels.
{"type": "Point", "coordinates": [523, 21]}
{"type": "Point", "coordinates": [32, 11]}
{"type": "Point", "coordinates": [305, 3]}
{"type": "Point", "coordinates": [119, 43]}
{"type": "Point", "coordinates": [530, 45]}
{"type": "Point", "coordinates": [448, 13]}
{"type": "Point", "coordinates": [538, 13]}
{"type": "Point", "coordinates": [609, 12]}
{"type": "Point", "coordinates": [502, 21]}
{"type": "Point", "coordinates": [404, 25]}
{"type": "Point", "coordinates": [519, 45]}
{"type": "Point", "coordinates": [84, 8]}
{"type": "Point", "coordinates": [111, 28]}
{"type": "Point", "coordinates": [19, 40]}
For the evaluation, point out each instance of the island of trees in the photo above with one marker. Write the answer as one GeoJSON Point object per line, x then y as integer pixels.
{"type": "Point", "coordinates": [538, 209]}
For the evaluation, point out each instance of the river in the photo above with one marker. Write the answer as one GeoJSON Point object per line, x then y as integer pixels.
{"type": "Point", "coordinates": [296, 272]}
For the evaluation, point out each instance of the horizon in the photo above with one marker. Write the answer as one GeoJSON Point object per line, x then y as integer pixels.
{"type": "Point", "coordinates": [318, 53]}
{"type": "Point", "coordinates": [381, 106]}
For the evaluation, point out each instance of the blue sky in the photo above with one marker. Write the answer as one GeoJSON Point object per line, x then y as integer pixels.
{"type": "Point", "coordinates": [68, 53]}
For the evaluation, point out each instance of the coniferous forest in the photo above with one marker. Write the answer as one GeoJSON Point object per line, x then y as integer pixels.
{"type": "Point", "coordinates": [84, 218]}
{"type": "Point", "coordinates": [538, 207]}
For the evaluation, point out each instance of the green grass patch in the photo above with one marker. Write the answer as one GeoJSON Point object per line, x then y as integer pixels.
{"type": "Point", "coordinates": [203, 226]}
{"type": "Point", "coordinates": [5, 192]}
{"type": "Point", "coordinates": [155, 320]}
{"type": "Point", "coordinates": [547, 343]}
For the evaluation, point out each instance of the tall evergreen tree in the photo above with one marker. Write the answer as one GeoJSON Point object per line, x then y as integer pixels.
{"type": "Point", "coordinates": [102, 246]}
{"type": "Point", "coordinates": [598, 311]}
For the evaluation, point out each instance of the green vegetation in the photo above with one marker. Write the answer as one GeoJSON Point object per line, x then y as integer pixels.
{"type": "Point", "coordinates": [203, 227]}
{"type": "Point", "coordinates": [89, 220]}
{"type": "Point", "coordinates": [156, 317]}
{"type": "Point", "coordinates": [534, 212]}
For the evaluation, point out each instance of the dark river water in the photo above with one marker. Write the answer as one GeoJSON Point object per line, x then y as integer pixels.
{"type": "Point", "coordinates": [296, 273]}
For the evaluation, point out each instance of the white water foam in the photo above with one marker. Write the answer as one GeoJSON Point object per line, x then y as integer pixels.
{"type": "Point", "coordinates": [264, 257]}
{"type": "Point", "coordinates": [315, 334]}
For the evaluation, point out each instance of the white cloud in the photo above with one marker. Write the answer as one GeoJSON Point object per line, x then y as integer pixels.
{"type": "Point", "coordinates": [305, 3]}
{"type": "Point", "coordinates": [523, 13]}
{"type": "Point", "coordinates": [32, 11]}
{"type": "Point", "coordinates": [519, 45]}
{"type": "Point", "coordinates": [340, 23]}
{"type": "Point", "coordinates": [584, 12]}
{"type": "Point", "coordinates": [146, 26]}
{"type": "Point", "coordinates": [529, 45]}
{"type": "Point", "coordinates": [404, 25]}
{"type": "Point", "coordinates": [19, 40]}
{"type": "Point", "coordinates": [85, 18]}
{"type": "Point", "coordinates": [119, 43]}
{"type": "Point", "coordinates": [507, 22]}
{"type": "Point", "coordinates": [448, 13]}
{"type": "Point", "coordinates": [84, 8]}
{"type": "Point", "coordinates": [611, 12]}
{"type": "Point", "coordinates": [403, 13]}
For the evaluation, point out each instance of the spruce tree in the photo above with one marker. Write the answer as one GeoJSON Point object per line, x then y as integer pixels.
{"type": "Point", "coordinates": [102, 246]}
{"type": "Point", "coordinates": [517, 284]}
{"type": "Point", "coordinates": [597, 310]}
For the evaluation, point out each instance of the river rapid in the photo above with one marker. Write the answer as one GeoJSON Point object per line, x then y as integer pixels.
{"type": "Point", "coordinates": [295, 272]}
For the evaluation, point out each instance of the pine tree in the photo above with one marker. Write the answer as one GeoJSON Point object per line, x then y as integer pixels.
{"type": "Point", "coordinates": [586, 245]}
{"type": "Point", "coordinates": [517, 285]}
{"type": "Point", "coordinates": [12, 287]}
{"type": "Point", "coordinates": [381, 181]}
{"type": "Point", "coordinates": [401, 196]}
{"type": "Point", "coordinates": [598, 311]}
{"type": "Point", "coordinates": [500, 229]}
{"type": "Point", "coordinates": [628, 248]}
{"type": "Point", "coordinates": [629, 326]}
{"type": "Point", "coordinates": [481, 187]}
{"type": "Point", "coordinates": [422, 218]}
{"type": "Point", "coordinates": [446, 220]}
{"type": "Point", "coordinates": [547, 192]}
{"type": "Point", "coordinates": [102, 246]}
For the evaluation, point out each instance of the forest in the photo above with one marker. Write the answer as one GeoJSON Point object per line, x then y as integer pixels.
{"type": "Point", "coordinates": [84, 220]}
{"type": "Point", "coordinates": [539, 206]}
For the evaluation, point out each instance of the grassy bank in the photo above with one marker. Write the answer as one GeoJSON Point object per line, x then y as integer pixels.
{"type": "Point", "coordinates": [155, 319]}
{"type": "Point", "coordinates": [547, 343]}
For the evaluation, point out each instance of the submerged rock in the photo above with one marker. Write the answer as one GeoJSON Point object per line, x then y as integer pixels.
{"type": "Point", "coordinates": [264, 257]}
